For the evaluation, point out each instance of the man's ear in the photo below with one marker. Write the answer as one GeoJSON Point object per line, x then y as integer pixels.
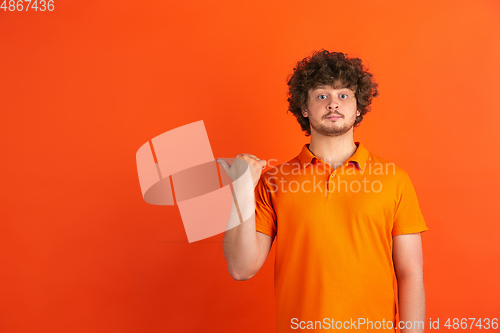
{"type": "Point", "coordinates": [304, 112]}
{"type": "Point", "coordinates": [358, 113]}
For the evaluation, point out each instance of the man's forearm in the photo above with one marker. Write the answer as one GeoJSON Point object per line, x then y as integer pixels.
{"type": "Point", "coordinates": [411, 304]}
{"type": "Point", "coordinates": [241, 250]}
{"type": "Point", "coordinates": [240, 244]}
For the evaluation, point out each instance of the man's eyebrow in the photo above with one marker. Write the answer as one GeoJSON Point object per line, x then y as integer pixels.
{"type": "Point", "coordinates": [321, 87]}
{"type": "Point", "coordinates": [326, 87]}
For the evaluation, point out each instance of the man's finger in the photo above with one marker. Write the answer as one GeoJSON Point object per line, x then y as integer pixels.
{"type": "Point", "coordinates": [250, 155]}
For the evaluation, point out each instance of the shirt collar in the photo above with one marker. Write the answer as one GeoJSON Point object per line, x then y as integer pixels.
{"type": "Point", "coordinates": [360, 156]}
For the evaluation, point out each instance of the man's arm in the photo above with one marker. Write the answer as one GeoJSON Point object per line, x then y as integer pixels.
{"type": "Point", "coordinates": [245, 249]}
{"type": "Point", "coordinates": [408, 264]}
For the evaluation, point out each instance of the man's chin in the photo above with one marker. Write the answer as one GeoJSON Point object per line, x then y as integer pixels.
{"type": "Point", "coordinates": [331, 131]}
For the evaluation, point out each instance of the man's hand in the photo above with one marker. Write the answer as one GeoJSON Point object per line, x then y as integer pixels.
{"type": "Point", "coordinates": [241, 163]}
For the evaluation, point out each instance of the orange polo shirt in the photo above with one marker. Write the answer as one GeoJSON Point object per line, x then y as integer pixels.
{"type": "Point", "coordinates": [333, 235]}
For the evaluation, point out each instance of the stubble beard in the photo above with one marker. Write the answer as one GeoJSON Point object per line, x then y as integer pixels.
{"type": "Point", "coordinates": [333, 129]}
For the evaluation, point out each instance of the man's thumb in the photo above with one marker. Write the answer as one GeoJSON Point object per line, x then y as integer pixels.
{"type": "Point", "coordinates": [223, 163]}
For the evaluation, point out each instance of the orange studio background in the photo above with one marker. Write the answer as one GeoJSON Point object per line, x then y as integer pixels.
{"type": "Point", "coordinates": [82, 87]}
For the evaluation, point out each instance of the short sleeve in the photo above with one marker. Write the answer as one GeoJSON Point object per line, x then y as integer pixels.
{"type": "Point", "coordinates": [408, 218]}
{"type": "Point", "coordinates": [265, 216]}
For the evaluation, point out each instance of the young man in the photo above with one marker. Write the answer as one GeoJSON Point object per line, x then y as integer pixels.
{"type": "Point", "coordinates": [346, 222]}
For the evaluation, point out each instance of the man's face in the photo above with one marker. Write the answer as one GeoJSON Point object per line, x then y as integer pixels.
{"type": "Point", "coordinates": [331, 112]}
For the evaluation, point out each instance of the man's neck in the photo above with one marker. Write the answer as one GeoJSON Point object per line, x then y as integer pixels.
{"type": "Point", "coordinates": [334, 150]}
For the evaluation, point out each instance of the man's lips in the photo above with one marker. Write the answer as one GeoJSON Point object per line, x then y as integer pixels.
{"type": "Point", "coordinates": [334, 116]}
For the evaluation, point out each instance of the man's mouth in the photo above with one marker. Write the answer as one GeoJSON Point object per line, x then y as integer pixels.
{"type": "Point", "coordinates": [334, 116]}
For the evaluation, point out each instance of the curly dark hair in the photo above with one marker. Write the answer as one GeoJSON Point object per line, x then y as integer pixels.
{"type": "Point", "coordinates": [329, 68]}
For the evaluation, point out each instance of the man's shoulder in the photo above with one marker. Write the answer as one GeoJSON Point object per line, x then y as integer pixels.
{"type": "Point", "coordinates": [286, 168]}
{"type": "Point", "coordinates": [383, 166]}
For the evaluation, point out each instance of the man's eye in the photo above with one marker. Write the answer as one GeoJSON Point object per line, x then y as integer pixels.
{"type": "Point", "coordinates": [322, 96]}
{"type": "Point", "coordinates": [343, 95]}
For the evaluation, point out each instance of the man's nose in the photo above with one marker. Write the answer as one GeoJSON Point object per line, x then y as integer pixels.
{"type": "Point", "coordinates": [333, 104]}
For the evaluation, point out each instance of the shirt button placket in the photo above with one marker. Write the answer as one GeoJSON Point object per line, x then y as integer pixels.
{"type": "Point", "coordinates": [325, 169]}
{"type": "Point", "coordinates": [330, 179]}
